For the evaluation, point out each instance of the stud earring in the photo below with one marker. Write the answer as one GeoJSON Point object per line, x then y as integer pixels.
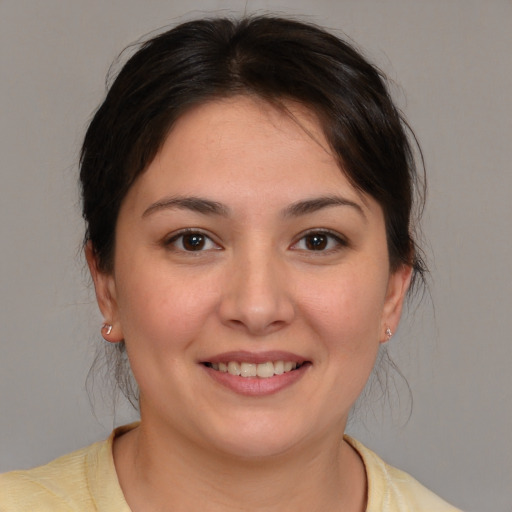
{"type": "Point", "coordinates": [108, 328]}
{"type": "Point", "coordinates": [389, 333]}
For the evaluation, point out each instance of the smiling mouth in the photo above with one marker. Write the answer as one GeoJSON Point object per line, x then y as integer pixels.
{"type": "Point", "coordinates": [261, 370]}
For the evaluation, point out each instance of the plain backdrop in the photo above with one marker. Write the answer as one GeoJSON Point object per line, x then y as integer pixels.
{"type": "Point", "coordinates": [451, 64]}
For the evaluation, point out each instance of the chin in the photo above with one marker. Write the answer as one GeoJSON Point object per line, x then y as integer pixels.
{"type": "Point", "coordinates": [262, 438]}
{"type": "Point", "coordinates": [256, 447]}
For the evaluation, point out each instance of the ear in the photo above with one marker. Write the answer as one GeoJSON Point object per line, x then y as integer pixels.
{"type": "Point", "coordinates": [398, 284]}
{"type": "Point", "coordinates": [105, 288]}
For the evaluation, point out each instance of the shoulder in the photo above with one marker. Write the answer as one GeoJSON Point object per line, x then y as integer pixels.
{"type": "Point", "coordinates": [393, 490]}
{"type": "Point", "coordinates": [80, 481]}
{"type": "Point", "coordinates": [58, 486]}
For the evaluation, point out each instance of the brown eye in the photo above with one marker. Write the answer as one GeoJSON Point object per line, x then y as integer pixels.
{"type": "Point", "coordinates": [320, 241]}
{"type": "Point", "coordinates": [193, 242]}
{"type": "Point", "coordinates": [316, 241]}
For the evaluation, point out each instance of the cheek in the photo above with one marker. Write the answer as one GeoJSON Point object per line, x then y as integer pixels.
{"type": "Point", "coordinates": [348, 326]}
{"type": "Point", "coordinates": [161, 319]}
{"type": "Point", "coordinates": [160, 311]}
{"type": "Point", "coordinates": [346, 312]}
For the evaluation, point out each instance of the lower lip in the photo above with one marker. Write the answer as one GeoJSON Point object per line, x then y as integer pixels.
{"type": "Point", "coordinates": [256, 386]}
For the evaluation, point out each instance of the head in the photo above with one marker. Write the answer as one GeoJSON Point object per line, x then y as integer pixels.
{"type": "Point", "coordinates": [289, 66]}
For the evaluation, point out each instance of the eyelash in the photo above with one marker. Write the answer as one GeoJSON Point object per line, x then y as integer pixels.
{"type": "Point", "coordinates": [172, 242]}
{"type": "Point", "coordinates": [204, 239]}
{"type": "Point", "coordinates": [331, 236]}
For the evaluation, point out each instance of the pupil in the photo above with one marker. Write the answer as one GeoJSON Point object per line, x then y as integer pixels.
{"type": "Point", "coordinates": [193, 242]}
{"type": "Point", "coordinates": [316, 242]}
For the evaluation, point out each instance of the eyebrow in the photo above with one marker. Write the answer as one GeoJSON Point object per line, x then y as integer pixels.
{"type": "Point", "coordinates": [195, 204]}
{"type": "Point", "coordinates": [319, 203]}
{"type": "Point", "coordinates": [209, 207]}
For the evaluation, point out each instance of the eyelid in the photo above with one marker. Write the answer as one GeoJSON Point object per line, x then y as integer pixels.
{"type": "Point", "coordinates": [340, 240]}
{"type": "Point", "coordinates": [169, 240]}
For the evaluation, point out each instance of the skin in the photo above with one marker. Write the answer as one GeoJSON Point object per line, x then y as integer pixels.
{"type": "Point", "coordinates": [256, 286]}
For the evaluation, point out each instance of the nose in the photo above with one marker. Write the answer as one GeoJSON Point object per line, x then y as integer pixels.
{"type": "Point", "coordinates": [257, 296]}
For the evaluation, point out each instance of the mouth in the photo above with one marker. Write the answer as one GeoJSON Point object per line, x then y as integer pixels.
{"type": "Point", "coordinates": [256, 374]}
{"type": "Point", "coordinates": [264, 370]}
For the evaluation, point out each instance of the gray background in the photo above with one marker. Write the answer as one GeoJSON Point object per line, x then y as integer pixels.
{"type": "Point", "coordinates": [451, 61]}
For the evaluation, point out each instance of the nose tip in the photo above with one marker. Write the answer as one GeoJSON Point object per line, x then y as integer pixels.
{"type": "Point", "coordinates": [257, 301]}
{"type": "Point", "coordinates": [257, 323]}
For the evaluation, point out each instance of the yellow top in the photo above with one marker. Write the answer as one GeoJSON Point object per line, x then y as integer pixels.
{"type": "Point", "coordinates": [86, 480]}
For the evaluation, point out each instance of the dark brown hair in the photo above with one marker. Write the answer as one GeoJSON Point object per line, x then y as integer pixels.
{"type": "Point", "coordinates": [271, 58]}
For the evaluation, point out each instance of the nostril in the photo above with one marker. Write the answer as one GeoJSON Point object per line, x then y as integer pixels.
{"type": "Point", "coordinates": [237, 324]}
{"type": "Point", "coordinates": [255, 328]}
{"type": "Point", "coordinates": [257, 304]}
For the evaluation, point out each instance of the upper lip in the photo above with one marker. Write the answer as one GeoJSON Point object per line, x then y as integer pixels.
{"type": "Point", "coordinates": [255, 357]}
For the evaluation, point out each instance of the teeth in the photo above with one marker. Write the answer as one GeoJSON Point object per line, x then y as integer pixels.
{"type": "Point", "coordinates": [262, 370]}
{"type": "Point", "coordinates": [234, 368]}
{"type": "Point", "coordinates": [279, 367]}
{"type": "Point", "coordinates": [265, 370]}
{"type": "Point", "coordinates": [248, 370]}
{"type": "Point", "coordinates": [288, 366]}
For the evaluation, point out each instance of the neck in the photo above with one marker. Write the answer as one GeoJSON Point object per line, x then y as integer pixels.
{"type": "Point", "coordinates": [171, 473]}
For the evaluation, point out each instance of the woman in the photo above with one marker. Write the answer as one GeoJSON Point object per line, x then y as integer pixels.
{"type": "Point", "coordinates": [247, 188]}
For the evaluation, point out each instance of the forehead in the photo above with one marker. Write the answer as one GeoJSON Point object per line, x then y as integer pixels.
{"type": "Point", "coordinates": [241, 148]}
{"type": "Point", "coordinates": [241, 120]}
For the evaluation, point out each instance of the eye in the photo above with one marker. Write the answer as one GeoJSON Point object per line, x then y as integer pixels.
{"type": "Point", "coordinates": [321, 241]}
{"type": "Point", "coordinates": [192, 241]}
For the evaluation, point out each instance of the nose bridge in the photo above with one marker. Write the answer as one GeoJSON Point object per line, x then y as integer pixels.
{"type": "Point", "coordinates": [256, 297]}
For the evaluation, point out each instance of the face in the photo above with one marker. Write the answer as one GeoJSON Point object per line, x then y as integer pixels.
{"type": "Point", "coordinates": [251, 282]}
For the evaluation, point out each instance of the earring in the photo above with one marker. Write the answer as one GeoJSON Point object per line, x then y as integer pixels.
{"type": "Point", "coordinates": [108, 328]}
{"type": "Point", "coordinates": [389, 333]}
